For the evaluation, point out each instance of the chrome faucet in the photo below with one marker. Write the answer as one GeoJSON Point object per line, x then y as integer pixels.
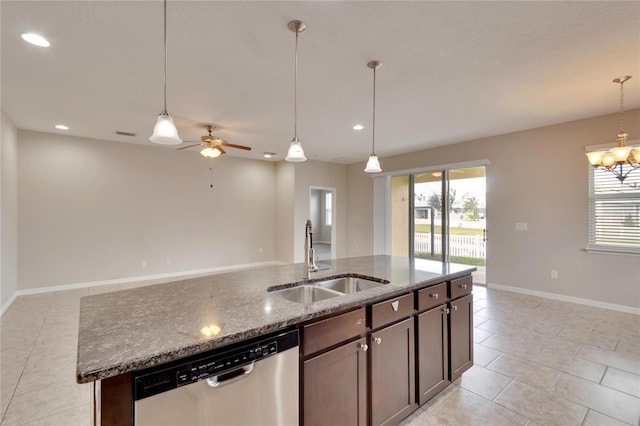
{"type": "Point", "coordinates": [309, 253]}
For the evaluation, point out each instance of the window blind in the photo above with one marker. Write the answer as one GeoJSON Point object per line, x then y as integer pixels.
{"type": "Point", "coordinates": [614, 211]}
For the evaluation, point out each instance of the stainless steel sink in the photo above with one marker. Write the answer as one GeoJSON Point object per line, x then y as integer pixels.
{"type": "Point", "coordinates": [349, 285]}
{"type": "Point", "coordinates": [306, 293]}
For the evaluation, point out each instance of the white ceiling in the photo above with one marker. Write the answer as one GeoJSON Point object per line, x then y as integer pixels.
{"type": "Point", "coordinates": [452, 71]}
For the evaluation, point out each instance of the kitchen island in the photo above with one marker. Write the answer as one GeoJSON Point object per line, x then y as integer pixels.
{"type": "Point", "coordinates": [131, 330]}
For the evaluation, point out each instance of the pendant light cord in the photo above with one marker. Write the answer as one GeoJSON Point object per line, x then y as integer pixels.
{"type": "Point", "coordinates": [295, 91]}
{"type": "Point", "coordinates": [164, 111]}
{"type": "Point", "coordinates": [373, 142]}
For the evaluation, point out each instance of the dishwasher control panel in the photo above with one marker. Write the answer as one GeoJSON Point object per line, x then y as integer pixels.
{"type": "Point", "coordinates": [217, 362]}
{"type": "Point", "coordinates": [215, 366]}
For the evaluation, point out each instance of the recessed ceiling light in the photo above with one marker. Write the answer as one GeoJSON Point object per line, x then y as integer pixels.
{"type": "Point", "coordinates": [61, 127]}
{"type": "Point", "coordinates": [35, 39]}
{"type": "Point", "coordinates": [358, 127]}
{"type": "Point", "coordinates": [268, 154]}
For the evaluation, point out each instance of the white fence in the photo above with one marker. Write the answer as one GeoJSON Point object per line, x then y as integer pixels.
{"type": "Point", "coordinates": [459, 245]}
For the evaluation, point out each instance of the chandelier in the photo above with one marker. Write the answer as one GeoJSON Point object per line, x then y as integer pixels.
{"type": "Point", "coordinates": [616, 160]}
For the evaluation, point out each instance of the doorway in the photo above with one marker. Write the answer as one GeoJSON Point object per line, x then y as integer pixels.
{"type": "Point", "coordinates": [441, 215]}
{"type": "Point", "coordinates": [322, 212]}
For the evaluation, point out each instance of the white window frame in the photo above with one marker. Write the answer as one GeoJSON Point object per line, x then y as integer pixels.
{"type": "Point", "coordinates": [592, 246]}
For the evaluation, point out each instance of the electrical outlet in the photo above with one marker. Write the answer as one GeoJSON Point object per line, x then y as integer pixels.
{"type": "Point", "coordinates": [143, 264]}
{"type": "Point", "coordinates": [521, 226]}
{"type": "Point", "coordinates": [168, 261]}
{"type": "Point", "coordinates": [554, 274]}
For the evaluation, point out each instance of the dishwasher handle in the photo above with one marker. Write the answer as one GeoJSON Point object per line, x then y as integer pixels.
{"type": "Point", "coordinates": [231, 376]}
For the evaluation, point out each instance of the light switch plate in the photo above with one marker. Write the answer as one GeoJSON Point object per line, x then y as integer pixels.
{"type": "Point", "coordinates": [521, 226]}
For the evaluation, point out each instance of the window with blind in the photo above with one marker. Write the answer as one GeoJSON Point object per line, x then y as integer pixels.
{"type": "Point", "coordinates": [614, 211]}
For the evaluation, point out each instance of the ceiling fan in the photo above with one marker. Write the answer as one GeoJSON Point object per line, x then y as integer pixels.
{"type": "Point", "coordinates": [213, 144]}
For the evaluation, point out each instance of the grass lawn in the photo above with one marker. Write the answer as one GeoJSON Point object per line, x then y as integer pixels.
{"type": "Point", "coordinates": [452, 230]}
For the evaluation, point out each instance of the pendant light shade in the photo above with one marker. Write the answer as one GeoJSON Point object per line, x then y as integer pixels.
{"type": "Point", "coordinates": [295, 153]}
{"type": "Point", "coordinates": [373, 164]}
{"type": "Point", "coordinates": [165, 132]}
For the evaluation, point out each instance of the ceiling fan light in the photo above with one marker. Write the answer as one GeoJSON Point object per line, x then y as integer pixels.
{"type": "Point", "coordinates": [373, 165]}
{"type": "Point", "coordinates": [635, 155]}
{"type": "Point", "coordinates": [165, 132]}
{"type": "Point", "coordinates": [295, 153]}
{"type": "Point", "coordinates": [214, 152]}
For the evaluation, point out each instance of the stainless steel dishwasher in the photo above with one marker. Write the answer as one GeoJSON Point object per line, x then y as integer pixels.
{"type": "Point", "coordinates": [254, 382]}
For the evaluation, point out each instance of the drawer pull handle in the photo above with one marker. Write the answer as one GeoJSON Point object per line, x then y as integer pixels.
{"type": "Point", "coordinates": [364, 347]}
{"type": "Point", "coordinates": [395, 305]}
{"type": "Point", "coordinates": [445, 311]}
{"type": "Point", "coordinates": [464, 286]}
{"type": "Point", "coordinates": [378, 340]}
{"type": "Point", "coordinates": [360, 321]}
{"type": "Point", "coordinates": [435, 295]}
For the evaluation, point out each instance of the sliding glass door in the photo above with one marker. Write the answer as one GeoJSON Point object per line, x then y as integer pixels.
{"type": "Point", "coordinates": [440, 215]}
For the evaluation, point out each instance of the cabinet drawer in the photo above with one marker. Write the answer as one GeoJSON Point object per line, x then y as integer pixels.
{"type": "Point", "coordinates": [331, 331]}
{"type": "Point", "coordinates": [391, 310]}
{"type": "Point", "coordinates": [461, 287]}
{"type": "Point", "coordinates": [432, 296]}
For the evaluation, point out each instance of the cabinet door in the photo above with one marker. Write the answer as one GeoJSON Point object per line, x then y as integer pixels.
{"type": "Point", "coordinates": [432, 363]}
{"type": "Point", "coordinates": [335, 386]}
{"type": "Point", "coordinates": [461, 335]}
{"type": "Point", "coordinates": [392, 373]}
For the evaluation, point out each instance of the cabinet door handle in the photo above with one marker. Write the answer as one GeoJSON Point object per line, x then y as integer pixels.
{"type": "Point", "coordinates": [464, 286]}
{"type": "Point", "coordinates": [359, 321]}
{"type": "Point", "coordinates": [445, 311]}
{"type": "Point", "coordinates": [435, 295]}
{"type": "Point", "coordinates": [378, 340]}
{"type": "Point", "coordinates": [364, 347]}
{"type": "Point", "coordinates": [455, 307]}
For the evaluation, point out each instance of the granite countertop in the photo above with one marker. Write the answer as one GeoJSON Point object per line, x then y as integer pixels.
{"type": "Point", "coordinates": [133, 329]}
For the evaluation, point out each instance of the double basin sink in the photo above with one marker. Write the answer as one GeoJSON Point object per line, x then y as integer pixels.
{"type": "Point", "coordinates": [326, 289]}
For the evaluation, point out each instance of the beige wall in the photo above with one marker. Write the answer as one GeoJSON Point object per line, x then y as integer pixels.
{"type": "Point", "coordinates": [8, 209]}
{"type": "Point", "coordinates": [285, 188]}
{"type": "Point", "coordinates": [538, 176]}
{"type": "Point", "coordinates": [92, 210]}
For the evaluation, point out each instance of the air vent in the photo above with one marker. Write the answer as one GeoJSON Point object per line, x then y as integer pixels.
{"type": "Point", "coordinates": [125, 134]}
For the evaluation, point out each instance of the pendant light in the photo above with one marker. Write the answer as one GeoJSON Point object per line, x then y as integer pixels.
{"type": "Point", "coordinates": [165, 132]}
{"type": "Point", "coordinates": [296, 153]}
{"type": "Point", "coordinates": [616, 160]}
{"type": "Point", "coordinates": [373, 165]}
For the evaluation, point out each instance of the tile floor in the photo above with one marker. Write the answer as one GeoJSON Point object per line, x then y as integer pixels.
{"type": "Point", "coordinates": [537, 362]}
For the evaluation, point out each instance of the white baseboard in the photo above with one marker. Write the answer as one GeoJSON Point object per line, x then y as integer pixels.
{"type": "Point", "coordinates": [8, 303]}
{"type": "Point", "coordinates": [74, 286]}
{"type": "Point", "coordinates": [571, 299]}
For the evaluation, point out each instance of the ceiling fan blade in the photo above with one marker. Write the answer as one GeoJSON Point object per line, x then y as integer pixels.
{"type": "Point", "coordinates": [232, 145]}
{"type": "Point", "coordinates": [188, 146]}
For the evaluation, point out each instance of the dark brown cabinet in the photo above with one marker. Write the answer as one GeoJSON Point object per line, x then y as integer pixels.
{"type": "Point", "coordinates": [375, 365]}
{"type": "Point", "coordinates": [335, 386]}
{"type": "Point", "coordinates": [461, 335]}
{"type": "Point", "coordinates": [392, 373]}
{"type": "Point", "coordinates": [432, 362]}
